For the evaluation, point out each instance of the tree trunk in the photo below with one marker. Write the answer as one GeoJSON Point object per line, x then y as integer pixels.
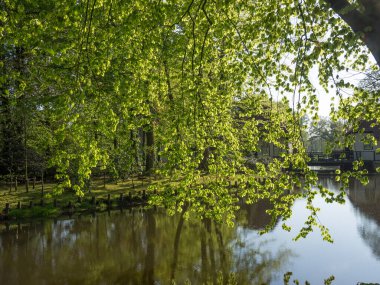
{"type": "Point", "coordinates": [148, 275]}
{"type": "Point", "coordinates": [26, 157]}
{"type": "Point", "coordinates": [364, 23]}
{"type": "Point", "coordinates": [176, 244]}
{"type": "Point", "coordinates": [149, 152]}
{"type": "Point", "coordinates": [42, 183]}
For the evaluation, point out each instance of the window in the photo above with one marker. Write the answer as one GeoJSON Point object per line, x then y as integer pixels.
{"type": "Point", "coordinates": [368, 146]}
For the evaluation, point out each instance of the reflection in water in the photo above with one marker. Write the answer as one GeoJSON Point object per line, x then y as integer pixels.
{"type": "Point", "coordinates": [370, 233]}
{"type": "Point", "coordinates": [255, 258]}
{"type": "Point", "coordinates": [256, 216]}
{"type": "Point", "coordinates": [149, 247]}
{"type": "Point", "coordinates": [135, 247]}
{"type": "Point", "coordinates": [366, 199]}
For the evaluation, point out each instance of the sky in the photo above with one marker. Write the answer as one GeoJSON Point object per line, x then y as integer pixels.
{"type": "Point", "coordinates": [324, 98]}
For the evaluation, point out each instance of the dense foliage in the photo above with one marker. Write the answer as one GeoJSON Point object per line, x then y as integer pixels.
{"type": "Point", "coordinates": [190, 90]}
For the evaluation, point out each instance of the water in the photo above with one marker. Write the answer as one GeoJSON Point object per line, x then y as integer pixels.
{"type": "Point", "coordinates": [137, 247]}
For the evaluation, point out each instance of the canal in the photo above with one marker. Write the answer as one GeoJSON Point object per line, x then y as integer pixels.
{"type": "Point", "coordinates": [150, 247]}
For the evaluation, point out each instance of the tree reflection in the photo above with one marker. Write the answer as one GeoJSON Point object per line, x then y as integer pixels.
{"type": "Point", "coordinates": [255, 215]}
{"type": "Point", "coordinates": [136, 247]}
{"type": "Point", "coordinates": [257, 265]}
{"type": "Point", "coordinates": [366, 199]}
{"type": "Point", "coordinates": [148, 275]}
{"type": "Point", "coordinates": [176, 244]}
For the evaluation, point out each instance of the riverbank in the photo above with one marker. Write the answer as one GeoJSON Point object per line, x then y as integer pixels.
{"type": "Point", "coordinates": [118, 246]}
{"type": "Point", "coordinates": [40, 201]}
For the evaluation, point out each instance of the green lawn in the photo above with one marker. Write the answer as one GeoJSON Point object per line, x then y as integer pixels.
{"type": "Point", "coordinates": [98, 189]}
{"type": "Point", "coordinates": [47, 203]}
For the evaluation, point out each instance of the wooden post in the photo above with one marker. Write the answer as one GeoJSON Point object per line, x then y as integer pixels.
{"type": "Point", "coordinates": [6, 210]}
{"type": "Point", "coordinates": [16, 183]}
{"type": "Point", "coordinates": [11, 183]}
{"type": "Point", "coordinates": [18, 205]}
{"type": "Point", "coordinates": [42, 182]}
{"type": "Point", "coordinates": [109, 200]}
{"type": "Point", "coordinates": [34, 182]}
{"type": "Point", "coordinates": [26, 184]}
{"type": "Point", "coordinates": [104, 179]}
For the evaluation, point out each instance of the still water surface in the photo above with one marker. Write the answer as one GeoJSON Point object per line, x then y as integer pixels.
{"type": "Point", "coordinates": [149, 247]}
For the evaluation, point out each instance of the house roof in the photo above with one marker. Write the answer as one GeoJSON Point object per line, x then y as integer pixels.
{"type": "Point", "coordinates": [368, 127]}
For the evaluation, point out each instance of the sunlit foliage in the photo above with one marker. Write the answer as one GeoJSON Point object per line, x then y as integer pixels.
{"type": "Point", "coordinates": [185, 89]}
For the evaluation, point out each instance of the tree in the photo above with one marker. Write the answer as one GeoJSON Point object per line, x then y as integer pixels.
{"type": "Point", "coordinates": [371, 82]}
{"type": "Point", "coordinates": [169, 73]}
{"type": "Point", "coordinates": [325, 134]}
{"type": "Point", "coordinates": [363, 18]}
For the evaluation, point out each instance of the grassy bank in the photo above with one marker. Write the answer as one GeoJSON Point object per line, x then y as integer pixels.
{"type": "Point", "coordinates": [41, 201]}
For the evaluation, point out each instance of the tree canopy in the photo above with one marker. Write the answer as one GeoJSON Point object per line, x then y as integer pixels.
{"type": "Point", "coordinates": [363, 18]}
{"type": "Point", "coordinates": [148, 86]}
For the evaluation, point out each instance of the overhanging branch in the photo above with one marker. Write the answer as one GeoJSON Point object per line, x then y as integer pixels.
{"type": "Point", "coordinates": [366, 23]}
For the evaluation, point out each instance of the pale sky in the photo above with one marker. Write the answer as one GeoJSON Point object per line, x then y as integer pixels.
{"type": "Point", "coordinates": [325, 99]}
{"type": "Point", "coordinates": [351, 76]}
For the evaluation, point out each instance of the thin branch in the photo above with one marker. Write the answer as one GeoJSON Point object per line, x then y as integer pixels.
{"type": "Point", "coordinates": [248, 52]}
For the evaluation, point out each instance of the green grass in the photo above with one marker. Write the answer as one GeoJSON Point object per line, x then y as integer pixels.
{"type": "Point", "coordinates": [35, 212]}
{"type": "Point", "coordinates": [97, 189]}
